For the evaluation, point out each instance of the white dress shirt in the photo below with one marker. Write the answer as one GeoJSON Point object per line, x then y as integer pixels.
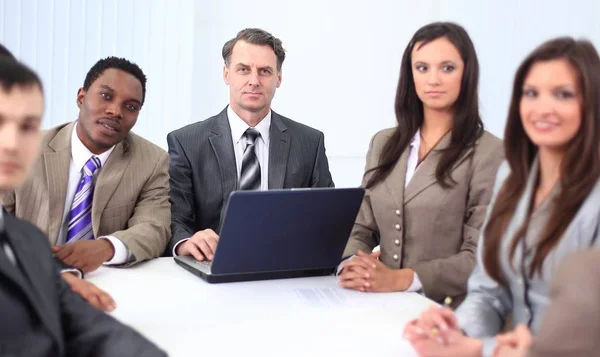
{"type": "Point", "coordinates": [411, 168]}
{"type": "Point", "coordinates": [261, 148]}
{"type": "Point", "coordinates": [80, 154]}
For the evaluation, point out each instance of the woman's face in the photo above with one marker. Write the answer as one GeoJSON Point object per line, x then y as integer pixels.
{"type": "Point", "coordinates": [437, 69]}
{"type": "Point", "coordinates": [551, 104]}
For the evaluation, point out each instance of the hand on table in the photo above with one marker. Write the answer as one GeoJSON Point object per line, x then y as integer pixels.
{"type": "Point", "coordinates": [201, 246]}
{"type": "Point", "coordinates": [436, 333]}
{"type": "Point", "coordinates": [365, 272]}
{"type": "Point", "coordinates": [90, 292]}
{"type": "Point", "coordinates": [515, 343]}
{"type": "Point", "coordinates": [86, 255]}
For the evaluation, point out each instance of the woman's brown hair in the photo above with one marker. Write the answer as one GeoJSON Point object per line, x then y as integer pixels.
{"type": "Point", "coordinates": [580, 167]}
{"type": "Point", "coordinates": [467, 125]}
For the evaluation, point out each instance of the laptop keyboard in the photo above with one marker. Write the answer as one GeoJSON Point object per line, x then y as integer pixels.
{"type": "Point", "coordinates": [204, 265]}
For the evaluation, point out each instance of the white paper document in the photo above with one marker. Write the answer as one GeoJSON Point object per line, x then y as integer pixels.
{"type": "Point", "coordinates": [339, 297]}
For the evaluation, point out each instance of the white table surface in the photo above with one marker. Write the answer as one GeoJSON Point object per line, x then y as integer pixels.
{"type": "Point", "coordinates": [188, 317]}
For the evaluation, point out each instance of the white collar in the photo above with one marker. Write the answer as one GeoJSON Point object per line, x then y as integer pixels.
{"type": "Point", "coordinates": [239, 127]}
{"type": "Point", "coordinates": [81, 154]}
{"type": "Point", "coordinates": [415, 142]}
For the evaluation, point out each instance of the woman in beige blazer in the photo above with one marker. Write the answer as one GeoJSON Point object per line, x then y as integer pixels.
{"type": "Point", "coordinates": [545, 204]}
{"type": "Point", "coordinates": [428, 180]}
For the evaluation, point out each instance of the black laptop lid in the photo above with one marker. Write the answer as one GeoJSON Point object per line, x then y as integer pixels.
{"type": "Point", "coordinates": [286, 229]}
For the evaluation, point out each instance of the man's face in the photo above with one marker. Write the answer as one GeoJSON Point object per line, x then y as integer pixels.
{"type": "Point", "coordinates": [108, 109]}
{"type": "Point", "coordinates": [252, 77]}
{"type": "Point", "coordinates": [21, 111]}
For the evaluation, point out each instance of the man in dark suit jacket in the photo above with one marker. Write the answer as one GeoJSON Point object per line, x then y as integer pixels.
{"type": "Point", "coordinates": [72, 275]}
{"type": "Point", "coordinates": [245, 147]}
{"type": "Point", "coordinates": [41, 315]}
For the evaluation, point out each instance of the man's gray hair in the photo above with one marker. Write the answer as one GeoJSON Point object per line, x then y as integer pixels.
{"type": "Point", "coordinates": [256, 37]}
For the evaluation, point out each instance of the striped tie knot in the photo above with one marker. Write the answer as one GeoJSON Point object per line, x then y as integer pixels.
{"type": "Point", "coordinates": [251, 135]}
{"type": "Point", "coordinates": [91, 166]}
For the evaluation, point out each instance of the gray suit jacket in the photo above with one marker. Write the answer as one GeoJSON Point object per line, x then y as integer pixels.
{"type": "Point", "coordinates": [42, 316]}
{"type": "Point", "coordinates": [203, 170]}
{"type": "Point", "coordinates": [483, 313]}
{"type": "Point", "coordinates": [425, 227]}
{"type": "Point", "coordinates": [570, 325]}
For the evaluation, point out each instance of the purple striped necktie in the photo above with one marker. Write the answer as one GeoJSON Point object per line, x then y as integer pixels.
{"type": "Point", "coordinates": [80, 217]}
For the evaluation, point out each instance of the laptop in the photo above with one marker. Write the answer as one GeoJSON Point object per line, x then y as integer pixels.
{"type": "Point", "coordinates": [280, 234]}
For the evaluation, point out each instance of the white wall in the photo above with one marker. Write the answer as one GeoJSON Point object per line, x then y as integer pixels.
{"type": "Point", "coordinates": [340, 74]}
{"type": "Point", "coordinates": [62, 39]}
{"type": "Point", "coordinates": [504, 32]}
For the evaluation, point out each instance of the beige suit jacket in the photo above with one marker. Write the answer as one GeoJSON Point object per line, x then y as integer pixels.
{"type": "Point", "coordinates": [570, 326]}
{"type": "Point", "coordinates": [427, 228]}
{"type": "Point", "coordinates": [131, 196]}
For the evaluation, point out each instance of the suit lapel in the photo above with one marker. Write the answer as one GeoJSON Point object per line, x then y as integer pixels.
{"type": "Point", "coordinates": [10, 271]}
{"type": "Point", "coordinates": [28, 280]}
{"type": "Point", "coordinates": [279, 149]}
{"type": "Point", "coordinates": [56, 165]}
{"type": "Point", "coordinates": [395, 182]}
{"type": "Point", "coordinates": [521, 214]}
{"type": "Point", "coordinates": [108, 180]}
{"type": "Point", "coordinates": [424, 176]}
{"type": "Point", "coordinates": [222, 145]}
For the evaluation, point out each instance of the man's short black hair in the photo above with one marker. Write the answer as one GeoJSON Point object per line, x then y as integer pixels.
{"type": "Point", "coordinates": [15, 74]}
{"type": "Point", "coordinates": [5, 52]}
{"type": "Point", "coordinates": [118, 63]}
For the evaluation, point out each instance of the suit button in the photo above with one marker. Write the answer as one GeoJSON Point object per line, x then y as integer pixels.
{"type": "Point", "coordinates": [397, 227]}
{"type": "Point", "coordinates": [395, 257]}
{"type": "Point", "coordinates": [397, 242]}
{"type": "Point", "coordinates": [397, 212]}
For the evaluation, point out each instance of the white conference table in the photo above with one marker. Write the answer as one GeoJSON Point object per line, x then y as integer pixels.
{"type": "Point", "coordinates": [291, 317]}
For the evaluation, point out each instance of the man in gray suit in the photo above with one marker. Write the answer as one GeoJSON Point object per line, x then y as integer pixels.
{"type": "Point", "coordinates": [245, 147]}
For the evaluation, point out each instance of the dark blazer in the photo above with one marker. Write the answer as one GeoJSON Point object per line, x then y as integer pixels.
{"type": "Point", "coordinates": [42, 316]}
{"type": "Point", "coordinates": [203, 171]}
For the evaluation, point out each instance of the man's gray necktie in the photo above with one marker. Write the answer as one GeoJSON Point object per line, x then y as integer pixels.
{"type": "Point", "coordinates": [250, 175]}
